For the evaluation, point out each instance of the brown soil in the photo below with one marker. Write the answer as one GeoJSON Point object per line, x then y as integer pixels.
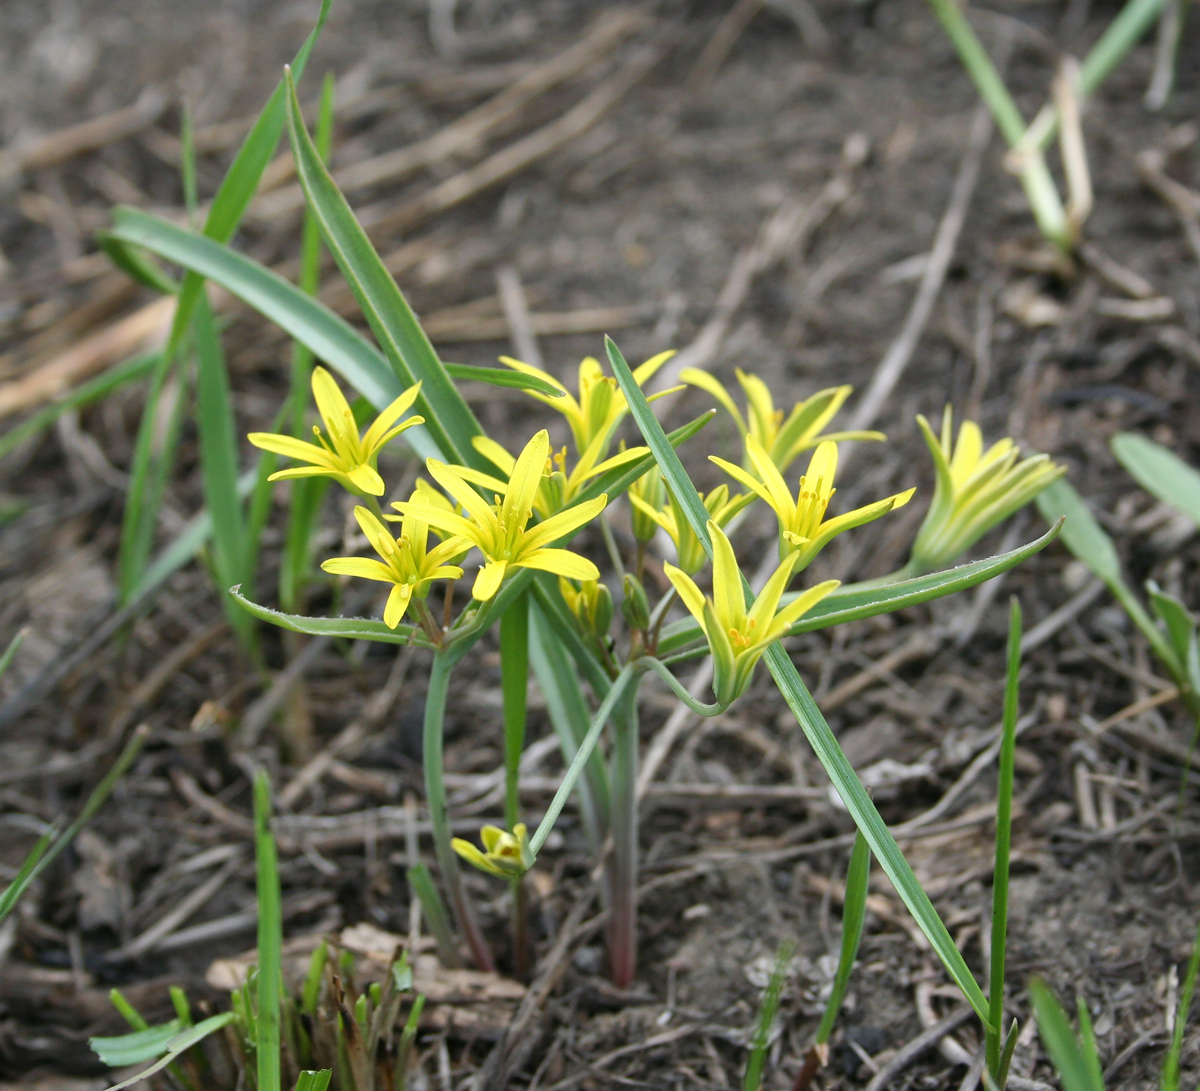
{"type": "Point", "coordinates": [646, 210]}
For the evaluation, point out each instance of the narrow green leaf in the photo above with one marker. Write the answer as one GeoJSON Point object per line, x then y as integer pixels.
{"type": "Point", "coordinates": [314, 1081]}
{"type": "Point", "coordinates": [10, 652]}
{"type": "Point", "coordinates": [854, 915]}
{"type": "Point", "coordinates": [270, 939]}
{"type": "Point", "coordinates": [768, 1009]}
{"type": "Point", "coordinates": [1004, 796]}
{"type": "Point", "coordinates": [1170, 1072]}
{"type": "Point", "coordinates": [176, 1047]}
{"type": "Point", "coordinates": [812, 723]}
{"type": "Point", "coordinates": [1073, 1068]}
{"type": "Point", "coordinates": [345, 628]}
{"type": "Point", "coordinates": [502, 376]}
{"type": "Point", "coordinates": [412, 356]}
{"type": "Point", "coordinates": [135, 264]}
{"type": "Point", "coordinates": [514, 682]}
{"type": "Point", "coordinates": [219, 462]}
{"type": "Point", "coordinates": [24, 875]}
{"type": "Point", "coordinates": [424, 889]}
{"type": "Point", "coordinates": [93, 390]}
{"type": "Point", "coordinates": [1160, 472]}
{"type": "Point", "coordinates": [135, 1047]}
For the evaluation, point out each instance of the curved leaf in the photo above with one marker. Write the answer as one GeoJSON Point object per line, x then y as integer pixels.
{"type": "Point", "coordinates": [1160, 472]}
{"type": "Point", "coordinates": [501, 376]}
{"type": "Point", "coordinates": [346, 628]}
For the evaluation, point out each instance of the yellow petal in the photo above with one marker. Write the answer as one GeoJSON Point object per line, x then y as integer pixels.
{"type": "Point", "coordinates": [397, 604]}
{"type": "Point", "coordinates": [526, 477]}
{"type": "Point", "coordinates": [695, 377]}
{"type": "Point", "coordinates": [495, 454]}
{"type": "Point", "coordinates": [801, 604]}
{"type": "Point", "coordinates": [780, 495]}
{"type": "Point", "coordinates": [331, 403]}
{"type": "Point", "coordinates": [689, 594]}
{"type": "Point", "coordinates": [560, 525]}
{"type": "Point", "coordinates": [729, 600]}
{"type": "Point", "coordinates": [488, 581]}
{"type": "Point", "coordinates": [376, 533]}
{"type": "Point", "coordinates": [290, 447]}
{"type": "Point", "coordinates": [373, 437]}
{"type": "Point", "coordinates": [304, 471]}
{"type": "Point", "coordinates": [453, 482]}
{"type": "Point", "coordinates": [366, 479]}
{"type": "Point", "coordinates": [561, 562]}
{"type": "Point", "coordinates": [363, 567]}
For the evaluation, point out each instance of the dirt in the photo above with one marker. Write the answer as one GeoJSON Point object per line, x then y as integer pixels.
{"type": "Point", "coordinates": [647, 209]}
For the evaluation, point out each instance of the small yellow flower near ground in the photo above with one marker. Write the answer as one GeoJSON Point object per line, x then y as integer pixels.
{"type": "Point", "coordinates": [671, 518]}
{"type": "Point", "coordinates": [738, 637]}
{"type": "Point", "coordinates": [597, 411]}
{"type": "Point", "coordinates": [501, 531]}
{"type": "Point", "coordinates": [782, 440]}
{"type": "Point", "coordinates": [974, 490]}
{"type": "Point", "coordinates": [505, 855]}
{"type": "Point", "coordinates": [803, 528]}
{"type": "Point", "coordinates": [406, 564]}
{"type": "Point", "coordinates": [341, 453]}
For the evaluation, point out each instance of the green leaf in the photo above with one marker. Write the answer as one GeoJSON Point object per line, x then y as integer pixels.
{"type": "Point", "coordinates": [10, 652]}
{"type": "Point", "coordinates": [136, 1047]}
{"type": "Point", "coordinates": [298, 314]}
{"type": "Point", "coordinates": [514, 684]}
{"type": "Point", "coordinates": [767, 1011]}
{"type": "Point", "coordinates": [1160, 472]}
{"type": "Point", "coordinates": [812, 723]}
{"type": "Point", "coordinates": [25, 874]}
{"type": "Point", "coordinates": [1076, 1071]}
{"type": "Point", "coordinates": [854, 915]}
{"type": "Point", "coordinates": [270, 939]}
{"type": "Point", "coordinates": [175, 1047]}
{"type": "Point", "coordinates": [218, 461]}
{"type": "Point", "coordinates": [136, 265]}
{"type": "Point", "coordinates": [93, 390]}
{"type": "Point", "coordinates": [448, 418]}
{"type": "Point", "coordinates": [314, 1081]}
{"type": "Point", "coordinates": [344, 628]}
{"type": "Point", "coordinates": [502, 376]}
{"type": "Point", "coordinates": [1170, 1072]}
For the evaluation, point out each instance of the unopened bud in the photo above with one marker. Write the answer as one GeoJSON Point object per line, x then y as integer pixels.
{"type": "Point", "coordinates": [635, 607]}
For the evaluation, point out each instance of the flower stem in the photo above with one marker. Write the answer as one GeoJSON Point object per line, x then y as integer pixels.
{"type": "Point", "coordinates": [439, 819]}
{"type": "Point", "coordinates": [623, 862]}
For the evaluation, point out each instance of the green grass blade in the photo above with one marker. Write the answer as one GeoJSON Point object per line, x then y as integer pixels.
{"type": "Point", "coordinates": [854, 915]}
{"type": "Point", "coordinates": [47, 854]}
{"type": "Point", "coordinates": [270, 939]}
{"type": "Point", "coordinates": [10, 652]}
{"type": "Point", "coordinates": [241, 180]}
{"type": "Point", "coordinates": [502, 376]}
{"type": "Point", "coordinates": [767, 1011]}
{"type": "Point", "coordinates": [1004, 794]}
{"type": "Point", "coordinates": [135, 1047]}
{"type": "Point", "coordinates": [219, 467]}
{"type": "Point", "coordinates": [93, 390]}
{"type": "Point", "coordinates": [135, 264]}
{"type": "Point", "coordinates": [1170, 1072]}
{"type": "Point", "coordinates": [568, 711]}
{"type": "Point", "coordinates": [1087, 1039]}
{"type": "Point", "coordinates": [176, 1047]}
{"type": "Point", "coordinates": [346, 628]}
{"type": "Point", "coordinates": [424, 889]}
{"type": "Point", "coordinates": [329, 336]}
{"type": "Point", "coordinates": [1122, 34]}
{"type": "Point", "coordinates": [1087, 540]}
{"type": "Point", "coordinates": [314, 1081]}
{"type": "Point", "coordinates": [1160, 472]}
{"type": "Point", "coordinates": [24, 875]}
{"type": "Point", "coordinates": [448, 418]}
{"type": "Point", "coordinates": [812, 723]}
{"type": "Point", "coordinates": [1075, 1071]}
{"type": "Point", "coordinates": [852, 603]}
{"type": "Point", "coordinates": [514, 683]}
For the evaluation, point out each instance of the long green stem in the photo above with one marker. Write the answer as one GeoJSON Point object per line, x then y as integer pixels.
{"type": "Point", "coordinates": [1008, 743]}
{"type": "Point", "coordinates": [439, 818]}
{"type": "Point", "coordinates": [623, 862]}
{"type": "Point", "coordinates": [680, 691]}
{"type": "Point", "coordinates": [270, 939]}
{"type": "Point", "coordinates": [514, 681]}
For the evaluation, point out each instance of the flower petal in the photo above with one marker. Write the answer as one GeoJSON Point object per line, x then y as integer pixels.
{"type": "Point", "coordinates": [367, 479]}
{"type": "Point", "coordinates": [290, 447]}
{"type": "Point", "coordinates": [363, 567]}
{"type": "Point", "coordinates": [729, 600]}
{"type": "Point", "coordinates": [685, 587]}
{"type": "Point", "coordinates": [561, 562]}
{"type": "Point", "coordinates": [517, 505]}
{"type": "Point", "coordinates": [488, 581]}
{"type": "Point", "coordinates": [332, 405]}
{"type": "Point", "coordinates": [693, 376]}
{"type": "Point", "coordinates": [373, 437]}
{"type": "Point", "coordinates": [452, 481]}
{"type": "Point", "coordinates": [397, 604]}
{"type": "Point", "coordinates": [560, 525]}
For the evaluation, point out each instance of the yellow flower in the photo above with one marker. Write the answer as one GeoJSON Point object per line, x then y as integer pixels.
{"type": "Point", "coordinates": [975, 489]}
{"type": "Point", "coordinates": [600, 405]}
{"type": "Point", "coordinates": [558, 488]}
{"type": "Point", "coordinates": [406, 564]}
{"type": "Point", "coordinates": [688, 550]}
{"type": "Point", "coordinates": [501, 532]}
{"type": "Point", "coordinates": [737, 637]}
{"type": "Point", "coordinates": [782, 440]}
{"type": "Point", "coordinates": [341, 454]}
{"type": "Point", "coordinates": [803, 528]}
{"type": "Point", "coordinates": [506, 855]}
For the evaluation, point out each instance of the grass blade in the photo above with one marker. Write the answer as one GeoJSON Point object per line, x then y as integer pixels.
{"type": "Point", "coordinates": [270, 939]}
{"type": "Point", "coordinates": [25, 874]}
{"type": "Point", "coordinates": [1075, 1070]}
{"type": "Point", "coordinates": [176, 1047]}
{"type": "Point", "coordinates": [812, 723]}
{"type": "Point", "coordinates": [420, 882]}
{"type": "Point", "coordinates": [93, 390]}
{"type": "Point", "coordinates": [448, 417]}
{"type": "Point", "coordinates": [1004, 794]}
{"type": "Point", "coordinates": [514, 682]}
{"type": "Point", "coordinates": [10, 652]}
{"type": "Point", "coordinates": [1160, 472]}
{"type": "Point", "coordinates": [219, 467]}
{"type": "Point", "coordinates": [767, 1011]}
{"type": "Point", "coordinates": [854, 915]}
{"type": "Point", "coordinates": [502, 376]}
{"type": "Point", "coordinates": [302, 317]}
{"type": "Point", "coordinates": [1170, 1072]}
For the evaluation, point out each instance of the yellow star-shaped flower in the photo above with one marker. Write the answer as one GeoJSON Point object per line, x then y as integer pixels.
{"type": "Point", "coordinates": [505, 855]}
{"type": "Point", "coordinates": [406, 564]}
{"type": "Point", "coordinates": [341, 453]}
{"type": "Point", "coordinates": [803, 528]}
{"type": "Point", "coordinates": [782, 440]}
{"type": "Point", "coordinates": [501, 531]}
{"type": "Point", "coordinates": [737, 637]}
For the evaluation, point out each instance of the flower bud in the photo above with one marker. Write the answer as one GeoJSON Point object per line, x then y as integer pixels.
{"type": "Point", "coordinates": [635, 607]}
{"type": "Point", "coordinates": [648, 488]}
{"type": "Point", "coordinates": [505, 855]}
